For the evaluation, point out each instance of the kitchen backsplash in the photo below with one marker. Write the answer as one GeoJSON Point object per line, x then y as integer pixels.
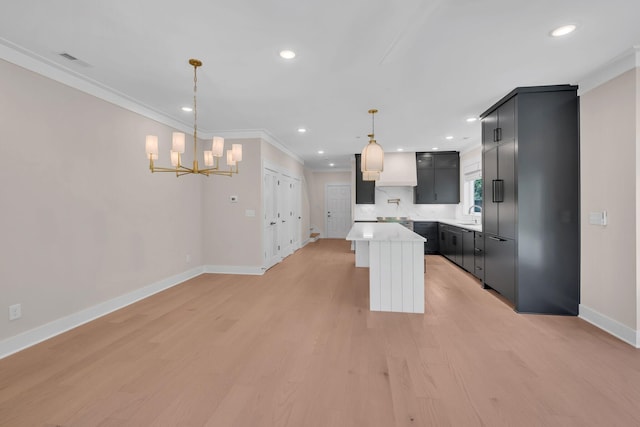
{"type": "Point", "coordinates": [404, 207]}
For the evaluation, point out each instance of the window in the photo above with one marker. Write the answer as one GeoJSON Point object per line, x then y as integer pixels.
{"type": "Point", "coordinates": [472, 203]}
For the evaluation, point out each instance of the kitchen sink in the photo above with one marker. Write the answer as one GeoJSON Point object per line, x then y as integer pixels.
{"type": "Point", "coordinates": [392, 218]}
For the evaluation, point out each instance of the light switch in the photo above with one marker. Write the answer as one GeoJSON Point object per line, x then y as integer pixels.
{"type": "Point", "coordinates": [250, 212]}
{"type": "Point", "coordinates": [598, 218]}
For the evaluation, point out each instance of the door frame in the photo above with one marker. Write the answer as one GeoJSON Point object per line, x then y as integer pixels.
{"type": "Point", "coordinates": [326, 202]}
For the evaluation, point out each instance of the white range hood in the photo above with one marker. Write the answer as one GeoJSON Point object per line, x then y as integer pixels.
{"type": "Point", "coordinates": [399, 170]}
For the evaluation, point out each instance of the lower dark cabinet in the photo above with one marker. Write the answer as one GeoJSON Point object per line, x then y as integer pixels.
{"type": "Point", "coordinates": [478, 260]}
{"type": "Point", "coordinates": [428, 230]}
{"type": "Point", "coordinates": [468, 246]}
{"type": "Point", "coordinates": [451, 243]}
{"type": "Point", "coordinates": [500, 265]}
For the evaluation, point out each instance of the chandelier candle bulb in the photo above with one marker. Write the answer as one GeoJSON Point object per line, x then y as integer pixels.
{"type": "Point", "coordinates": [175, 158]}
{"type": "Point", "coordinates": [208, 158]}
{"type": "Point", "coordinates": [217, 147]}
{"type": "Point", "coordinates": [178, 142]}
{"type": "Point", "coordinates": [230, 160]}
{"type": "Point", "coordinates": [237, 152]}
{"type": "Point", "coordinates": [151, 147]}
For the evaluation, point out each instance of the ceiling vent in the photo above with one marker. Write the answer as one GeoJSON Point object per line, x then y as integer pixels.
{"type": "Point", "coordinates": [65, 55]}
{"type": "Point", "coordinates": [73, 59]}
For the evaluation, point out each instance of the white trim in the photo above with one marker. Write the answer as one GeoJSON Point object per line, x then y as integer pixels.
{"type": "Point", "coordinates": [57, 72]}
{"type": "Point", "coordinates": [46, 67]}
{"type": "Point", "coordinates": [49, 330]}
{"type": "Point", "coordinates": [253, 134]}
{"type": "Point", "coordinates": [609, 325]}
{"type": "Point", "coordinates": [629, 60]}
{"type": "Point", "coordinates": [234, 269]}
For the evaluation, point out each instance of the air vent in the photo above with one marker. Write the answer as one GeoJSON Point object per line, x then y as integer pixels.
{"type": "Point", "coordinates": [68, 56]}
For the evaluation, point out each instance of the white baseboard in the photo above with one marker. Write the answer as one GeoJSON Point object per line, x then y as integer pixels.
{"type": "Point", "coordinates": [49, 330]}
{"type": "Point", "coordinates": [234, 269]}
{"type": "Point", "coordinates": [607, 324]}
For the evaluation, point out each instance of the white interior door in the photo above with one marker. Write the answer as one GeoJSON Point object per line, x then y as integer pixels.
{"type": "Point", "coordinates": [284, 231]}
{"type": "Point", "coordinates": [338, 203]}
{"type": "Point", "coordinates": [296, 214]}
{"type": "Point", "coordinates": [271, 244]}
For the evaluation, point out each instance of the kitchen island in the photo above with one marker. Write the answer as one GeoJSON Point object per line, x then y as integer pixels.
{"type": "Point", "coordinates": [395, 258]}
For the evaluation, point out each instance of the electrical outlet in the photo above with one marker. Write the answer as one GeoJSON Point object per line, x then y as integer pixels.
{"type": "Point", "coordinates": [15, 311]}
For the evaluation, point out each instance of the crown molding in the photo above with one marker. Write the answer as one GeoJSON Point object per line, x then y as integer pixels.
{"type": "Point", "coordinates": [31, 61]}
{"type": "Point", "coordinates": [38, 64]}
{"type": "Point", "coordinates": [628, 60]}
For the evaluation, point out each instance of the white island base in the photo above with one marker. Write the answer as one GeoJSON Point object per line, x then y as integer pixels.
{"type": "Point", "coordinates": [395, 257]}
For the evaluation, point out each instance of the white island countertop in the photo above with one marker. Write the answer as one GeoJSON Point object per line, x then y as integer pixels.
{"type": "Point", "coordinates": [383, 231]}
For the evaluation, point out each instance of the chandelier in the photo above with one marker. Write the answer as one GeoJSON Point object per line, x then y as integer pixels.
{"type": "Point", "coordinates": [211, 157]}
{"type": "Point", "coordinates": [372, 158]}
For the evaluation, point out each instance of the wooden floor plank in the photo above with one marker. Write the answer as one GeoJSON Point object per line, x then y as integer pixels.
{"type": "Point", "coordinates": [299, 347]}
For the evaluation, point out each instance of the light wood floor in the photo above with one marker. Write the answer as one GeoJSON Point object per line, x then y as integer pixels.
{"type": "Point", "coordinates": [298, 347]}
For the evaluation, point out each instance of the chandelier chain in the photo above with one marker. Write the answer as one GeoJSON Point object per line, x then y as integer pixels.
{"type": "Point", "coordinates": [195, 106]}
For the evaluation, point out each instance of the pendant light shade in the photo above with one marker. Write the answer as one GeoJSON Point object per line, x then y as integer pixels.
{"type": "Point", "coordinates": [370, 176]}
{"type": "Point", "coordinates": [372, 158]}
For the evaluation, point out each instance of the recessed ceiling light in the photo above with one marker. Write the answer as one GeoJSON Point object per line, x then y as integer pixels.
{"type": "Point", "coordinates": [563, 31]}
{"type": "Point", "coordinates": [187, 109]}
{"type": "Point", "coordinates": [332, 164]}
{"type": "Point", "coordinates": [435, 148]}
{"type": "Point", "coordinates": [448, 137]}
{"type": "Point", "coordinates": [302, 130]}
{"type": "Point", "coordinates": [472, 119]}
{"type": "Point", "coordinates": [287, 54]}
{"type": "Point", "coordinates": [320, 152]}
{"type": "Point", "coordinates": [400, 149]}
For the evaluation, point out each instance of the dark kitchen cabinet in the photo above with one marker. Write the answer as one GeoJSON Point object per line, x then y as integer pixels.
{"type": "Point", "coordinates": [428, 230]}
{"type": "Point", "coordinates": [478, 260]}
{"type": "Point", "coordinates": [531, 221]}
{"type": "Point", "coordinates": [365, 190]}
{"type": "Point", "coordinates": [438, 176]}
{"type": "Point", "coordinates": [468, 246]}
{"type": "Point", "coordinates": [499, 261]}
{"type": "Point", "coordinates": [451, 243]}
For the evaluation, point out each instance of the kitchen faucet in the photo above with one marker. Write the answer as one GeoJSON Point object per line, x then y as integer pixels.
{"type": "Point", "coordinates": [473, 207]}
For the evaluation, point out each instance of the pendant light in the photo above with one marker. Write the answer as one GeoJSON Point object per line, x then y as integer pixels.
{"type": "Point", "coordinates": [372, 157]}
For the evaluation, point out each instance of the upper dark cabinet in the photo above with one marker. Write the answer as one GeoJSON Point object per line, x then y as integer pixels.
{"type": "Point", "coordinates": [365, 190]}
{"type": "Point", "coordinates": [438, 178]}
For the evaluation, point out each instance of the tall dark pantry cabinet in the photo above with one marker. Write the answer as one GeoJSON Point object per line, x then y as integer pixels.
{"type": "Point", "coordinates": [531, 215]}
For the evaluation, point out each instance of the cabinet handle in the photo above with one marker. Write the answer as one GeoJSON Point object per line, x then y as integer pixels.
{"type": "Point", "coordinates": [477, 250]}
{"type": "Point", "coordinates": [442, 235]}
{"type": "Point", "coordinates": [499, 132]}
{"type": "Point", "coordinates": [464, 230]}
{"type": "Point", "coordinates": [272, 223]}
{"type": "Point", "coordinates": [497, 191]}
{"type": "Point", "coordinates": [436, 195]}
{"type": "Point", "coordinates": [495, 135]}
{"type": "Point", "coordinates": [454, 240]}
{"type": "Point", "coordinates": [497, 239]}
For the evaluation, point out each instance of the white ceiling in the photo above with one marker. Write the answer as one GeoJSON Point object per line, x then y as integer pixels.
{"type": "Point", "coordinates": [427, 65]}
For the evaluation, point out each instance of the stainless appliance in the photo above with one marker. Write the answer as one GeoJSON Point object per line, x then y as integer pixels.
{"type": "Point", "coordinates": [402, 220]}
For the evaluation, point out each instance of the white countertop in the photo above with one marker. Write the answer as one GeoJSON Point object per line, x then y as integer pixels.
{"type": "Point", "coordinates": [463, 223]}
{"type": "Point", "coordinates": [383, 231]}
